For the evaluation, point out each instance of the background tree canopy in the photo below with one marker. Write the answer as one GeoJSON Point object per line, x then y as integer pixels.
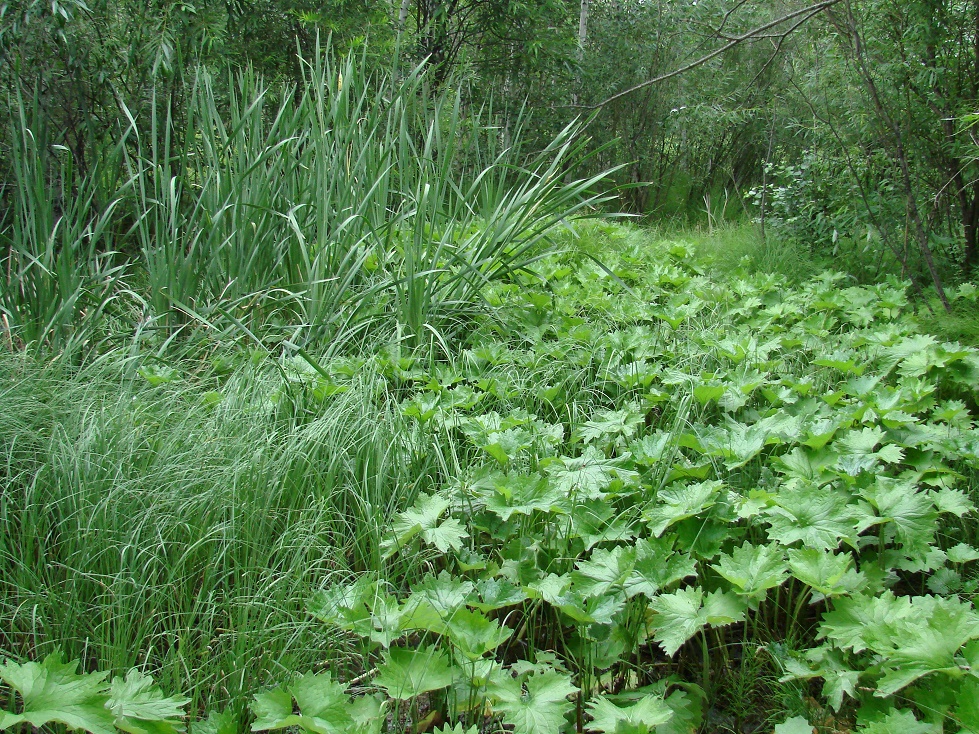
{"type": "Point", "coordinates": [849, 125]}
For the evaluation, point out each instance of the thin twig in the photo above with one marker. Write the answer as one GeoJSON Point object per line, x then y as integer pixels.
{"type": "Point", "coordinates": [754, 33]}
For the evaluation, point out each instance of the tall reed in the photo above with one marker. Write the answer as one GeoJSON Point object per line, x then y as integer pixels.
{"type": "Point", "coordinates": [59, 268]}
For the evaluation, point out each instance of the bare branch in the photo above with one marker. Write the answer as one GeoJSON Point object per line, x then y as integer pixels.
{"type": "Point", "coordinates": [808, 11]}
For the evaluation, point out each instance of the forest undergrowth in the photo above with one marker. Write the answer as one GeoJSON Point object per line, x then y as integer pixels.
{"type": "Point", "coordinates": [625, 491]}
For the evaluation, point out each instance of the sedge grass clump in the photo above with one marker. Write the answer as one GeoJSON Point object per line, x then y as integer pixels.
{"type": "Point", "coordinates": [180, 529]}
{"type": "Point", "coordinates": [324, 210]}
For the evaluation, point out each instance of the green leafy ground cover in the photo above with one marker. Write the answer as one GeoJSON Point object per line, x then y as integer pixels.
{"type": "Point", "coordinates": [633, 496]}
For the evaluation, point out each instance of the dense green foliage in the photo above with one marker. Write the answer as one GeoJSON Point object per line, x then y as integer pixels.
{"type": "Point", "coordinates": [642, 492]}
{"type": "Point", "coordinates": [323, 407]}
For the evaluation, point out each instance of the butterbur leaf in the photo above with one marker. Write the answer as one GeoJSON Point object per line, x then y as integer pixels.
{"type": "Point", "coordinates": [898, 721]}
{"type": "Point", "coordinates": [795, 725]}
{"type": "Point", "coordinates": [423, 519]}
{"type": "Point", "coordinates": [497, 593]}
{"type": "Point", "coordinates": [524, 495]}
{"type": "Point", "coordinates": [53, 692]}
{"type": "Point", "coordinates": [967, 710]}
{"type": "Point", "coordinates": [474, 635]}
{"type": "Point", "coordinates": [823, 570]}
{"type": "Point", "coordinates": [389, 620]}
{"type": "Point", "coordinates": [457, 729]}
{"type": "Point", "coordinates": [444, 592]}
{"type": "Point", "coordinates": [753, 569]}
{"type": "Point", "coordinates": [705, 393]}
{"type": "Point", "coordinates": [680, 615]}
{"type": "Point", "coordinates": [679, 502]}
{"type": "Point", "coordinates": [594, 521]}
{"type": "Point", "coordinates": [686, 703]}
{"type": "Point", "coordinates": [908, 513]}
{"type": "Point", "coordinates": [642, 717]}
{"type": "Point", "coordinates": [612, 425]}
{"type": "Point", "coordinates": [273, 710]}
{"type": "Point", "coordinates": [816, 517]}
{"type": "Point", "coordinates": [953, 501]}
{"type": "Point", "coordinates": [589, 475]}
{"type": "Point", "coordinates": [962, 553]}
{"type": "Point", "coordinates": [827, 663]}
{"type": "Point", "coordinates": [320, 696]}
{"type": "Point", "coordinates": [345, 605]}
{"type": "Point", "coordinates": [407, 673]}
{"type": "Point", "coordinates": [223, 722]}
{"type": "Point", "coordinates": [723, 608]}
{"type": "Point", "coordinates": [657, 566]}
{"type": "Point", "coordinates": [855, 621]}
{"type": "Point", "coordinates": [140, 707]}
{"type": "Point", "coordinates": [446, 536]}
{"type": "Point", "coordinates": [914, 636]}
{"type": "Point", "coordinates": [604, 570]}
{"type": "Point", "coordinates": [601, 609]}
{"type": "Point", "coordinates": [323, 706]}
{"type": "Point", "coordinates": [536, 704]}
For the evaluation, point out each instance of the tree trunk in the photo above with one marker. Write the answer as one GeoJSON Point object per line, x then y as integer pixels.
{"type": "Point", "coordinates": [582, 26]}
{"type": "Point", "coordinates": [403, 15]}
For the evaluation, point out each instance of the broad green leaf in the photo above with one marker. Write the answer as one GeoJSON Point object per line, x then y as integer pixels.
{"type": "Point", "coordinates": [595, 521]}
{"type": "Point", "coordinates": [908, 513]}
{"type": "Point", "coordinates": [319, 696]}
{"type": "Point", "coordinates": [53, 692]}
{"type": "Point", "coordinates": [423, 519]}
{"type": "Point", "coordinates": [753, 569]}
{"type": "Point", "coordinates": [140, 707]}
{"type": "Point", "coordinates": [641, 717]}
{"type": "Point", "coordinates": [680, 615]}
{"type": "Point", "coordinates": [825, 662]}
{"type": "Point", "coordinates": [525, 495]}
{"type": "Point", "coordinates": [406, 673]}
{"type": "Point", "coordinates": [814, 516]}
{"type": "Point", "coordinates": [457, 729]}
{"type": "Point", "coordinates": [679, 502]}
{"type": "Point", "coordinates": [604, 570]}
{"type": "Point", "coordinates": [723, 608]}
{"type": "Point", "coordinates": [914, 636]}
{"type": "Point", "coordinates": [601, 609]}
{"type": "Point", "coordinates": [823, 570]}
{"type": "Point", "coordinates": [903, 722]}
{"type": "Point", "coordinates": [589, 475]}
{"type": "Point", "coordinates": [551, 588]}
{"type": "Point", "coordinates": [345, 605]}
{"type": "Point", "coordinates": [474, 635]}
{"type": "Point", "coordinates": [273, 710]}
{"type": "Point", "coordinates": [856, 622]}
{"type": "Point", "coordinates": [657, 566]}
{"type": "Point", "coordinates": [953, 501]}
{"type": "Point", "coordinates": [808, 465]}
{"type": "Point", "coordinates": [967, 711]}
{"type": "Point", "coordinates": [962, 553]}
{"type": "Point", "coordinates": [706, 393]}
{"type": "Point", "coordinates": [795, 725]}
{"type": "Point", "coordinates": [612, 426]}
{"type": "Point", "coordinates": [687, 704]}
{"type": "Point", "coordinates": [446, 536]}
{"type": "Point", "coordinates": [223, 722]}
{"type": "Point", "coordinates": [445, 593]}
{"type": "Point", "coordinates": [323, 706]}
{"type": "Point", "coordinates": [537, 704]}
{"type": "Point", "coordinates": [497, 593]}
{"type": "Point", "coordinates": [863, 441]}
{"type": "Point", "coordinates": [389, 620]}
